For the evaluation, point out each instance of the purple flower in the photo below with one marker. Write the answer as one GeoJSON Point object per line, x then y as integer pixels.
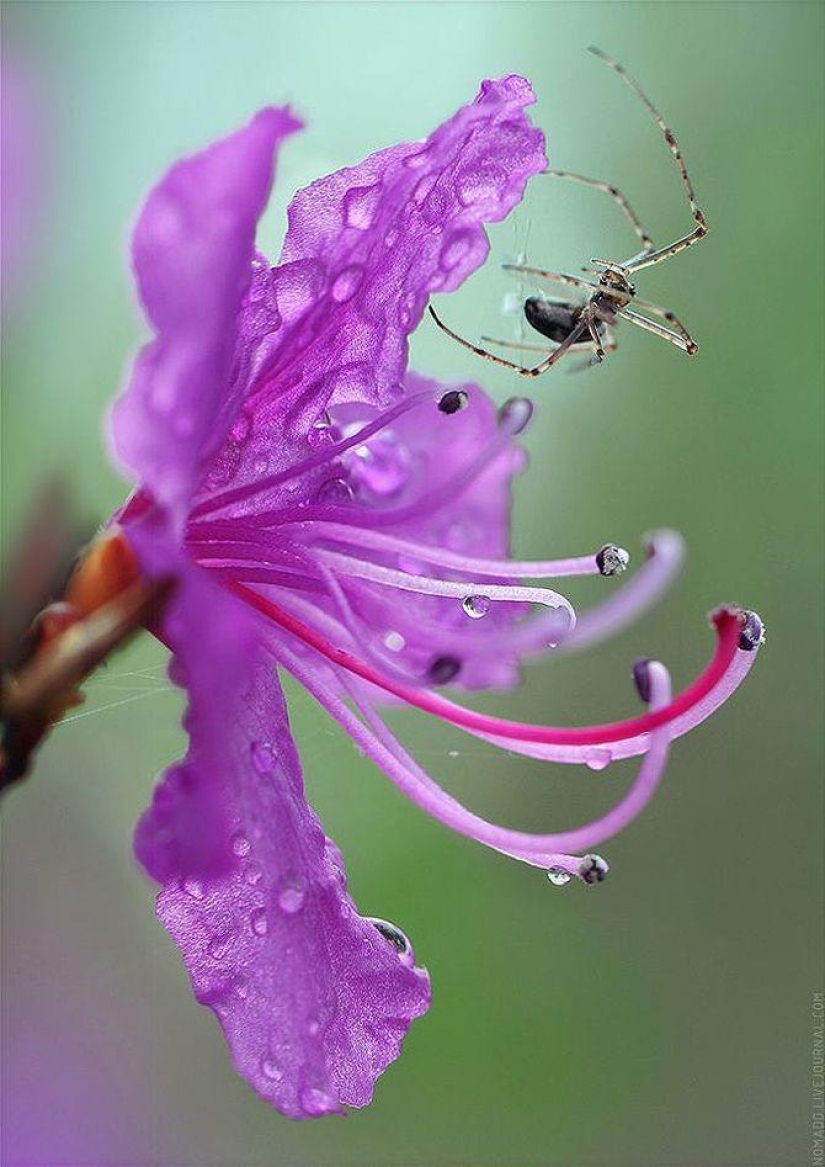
{"type": "Point", "coordinates": [323, 510]}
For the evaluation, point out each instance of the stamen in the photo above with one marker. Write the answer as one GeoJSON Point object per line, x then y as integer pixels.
{"type": "Point", "coordinates": [468, 591]}
{"type": "Point", "coordinates": [538, 850]}
{"type": "Point", "coordinates": [363, 538]}
{"type": "Point", "coordinates": [727, 622]}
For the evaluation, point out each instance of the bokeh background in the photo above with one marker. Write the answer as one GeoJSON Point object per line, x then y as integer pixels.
{"type": "Point", "coordinates": [664, 1017]}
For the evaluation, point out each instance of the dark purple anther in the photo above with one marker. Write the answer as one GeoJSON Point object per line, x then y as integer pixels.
{"type": "Point", "coordinates": [443, 670]}
{"type": "Point", "coordinates": [752, 634]}
{"type": "Point", "coordinates": [641, 679]}
{"type": "Point", "coordinates": [453, 401]}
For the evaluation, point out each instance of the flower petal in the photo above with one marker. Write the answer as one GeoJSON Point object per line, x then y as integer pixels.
{"type": "Point", "coordinates": [314, 1001]}
{"type": "Point", "coordinates": [192, 250]}
{"type": "Point", "coordinates": [367, 245]}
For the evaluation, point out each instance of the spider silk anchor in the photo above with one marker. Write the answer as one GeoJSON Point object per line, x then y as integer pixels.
{"type": "Point", "coordinates": [588, 327]}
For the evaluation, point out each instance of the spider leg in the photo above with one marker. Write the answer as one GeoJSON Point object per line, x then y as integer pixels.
{"type": "Point", "coordinates": [687, 345]}
{"type": "Point", "coordinates": [579, 346]}
{"type": "Point", "coordinates": [645, 259]}
{"type": "Point", "coordinates": [618, 198]}
{"type": "Point", "coordinates": [523, 371]}
{"type": "Point", "coordinates": [556, 276]}
{"type": "Point", "coordinates": [664, 314]}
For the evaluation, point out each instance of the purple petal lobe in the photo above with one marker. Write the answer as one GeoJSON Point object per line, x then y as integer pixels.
{"type": "Point", "coordinates": [192, 250]}
{"type": "Point", "coordinates": [372, 242]}
{"type": "Point", "coordinates": [313, 1000]}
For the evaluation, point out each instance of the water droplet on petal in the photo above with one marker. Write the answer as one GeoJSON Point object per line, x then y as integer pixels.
{"type": "Point", "coordinates": [382, 465]}
{"type": "Point", "coordinates": [396, 937]}
{"type": "Point", "coordinates": [391, 238]}
{"type": "Point", "coordinates": [476, 607]}
{"type": "Point", "coordinates": [313, 1027]}
{"type": "Point", "coordinates": [193, 888]}
{"type": "Point", "coordinates": [271, 1069]}
{"type": "Point", "coordinates": [322, 432]}
{"type": "Point", "coordinates": [258, 922]}
{"type": "Point", "coordinates": [360, 205]}
{"type": "Point", "coordinates": [263, 757]}
{"type": "Point", "coordinates": [394, 641]}
{"type": "Point", "coordinates": [334, 492]}
{"type": "Point", "coordinates": [219, 946]}
{"type": "Point", "coordinates": [240, 845]}
{"type": "Point", "coordinates": [347, 282]}
{"type": "Point", "coordinates": [455, 249]}
{"type": "Point", "coordinates": [558, 876]}
{"type": "Point", "coordinates": [598, 758]}
{"type": "Point", "coordinates": [316, 1102]}
{"type": "Point", "coordinates": [252, 873]}
{"type": "Point", "coordinates": [291, 897]}
{"type": "Point", "coordinates": [423, 188]}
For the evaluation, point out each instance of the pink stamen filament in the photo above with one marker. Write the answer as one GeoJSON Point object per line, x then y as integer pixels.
{"type": "Point", "coordinates": [726, 621]}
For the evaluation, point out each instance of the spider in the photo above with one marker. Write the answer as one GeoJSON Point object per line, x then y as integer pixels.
{"type": "Point", "coordinates": [589, 327]}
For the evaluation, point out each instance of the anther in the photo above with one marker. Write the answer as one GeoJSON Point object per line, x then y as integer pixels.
{"type": "Point", "coordinates": [453, 401]}
{"type": "Point", "coordinates": [515, 414]}
{"type": "Point", "coordinates": [612, 560]}
{"type": "Point", "coordinates": [443, 670]}
{"type": "Point", "coordinates": [593, 869]}
{"type": "Point", "coordinates": [752, 631]}
{"type": "Point", "coordinates": [641, 678]}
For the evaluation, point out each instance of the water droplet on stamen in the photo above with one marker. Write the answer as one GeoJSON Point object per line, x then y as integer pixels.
{"type": "Point", "coordinates": [612, 560]}
{"type": "Point", "coordinates": [598, 759]}
{"type": "Point", "coordinates": [476, 607]}
{"type": "Point", "coordinates": [593, 869]}
{"type": "Point", "coordinates": [558, 876]}
{"type": "Point", "coordinates": [453, 401]}
{"type": "Point", "coordinates": [752, 631]}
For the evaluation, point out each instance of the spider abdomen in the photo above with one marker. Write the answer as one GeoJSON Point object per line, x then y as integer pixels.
{"type": "Point", "coordinates": [555, 321]}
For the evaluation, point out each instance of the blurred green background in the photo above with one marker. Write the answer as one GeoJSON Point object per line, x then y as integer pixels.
{"type": "Point", "coordinates": [663, 1018]}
